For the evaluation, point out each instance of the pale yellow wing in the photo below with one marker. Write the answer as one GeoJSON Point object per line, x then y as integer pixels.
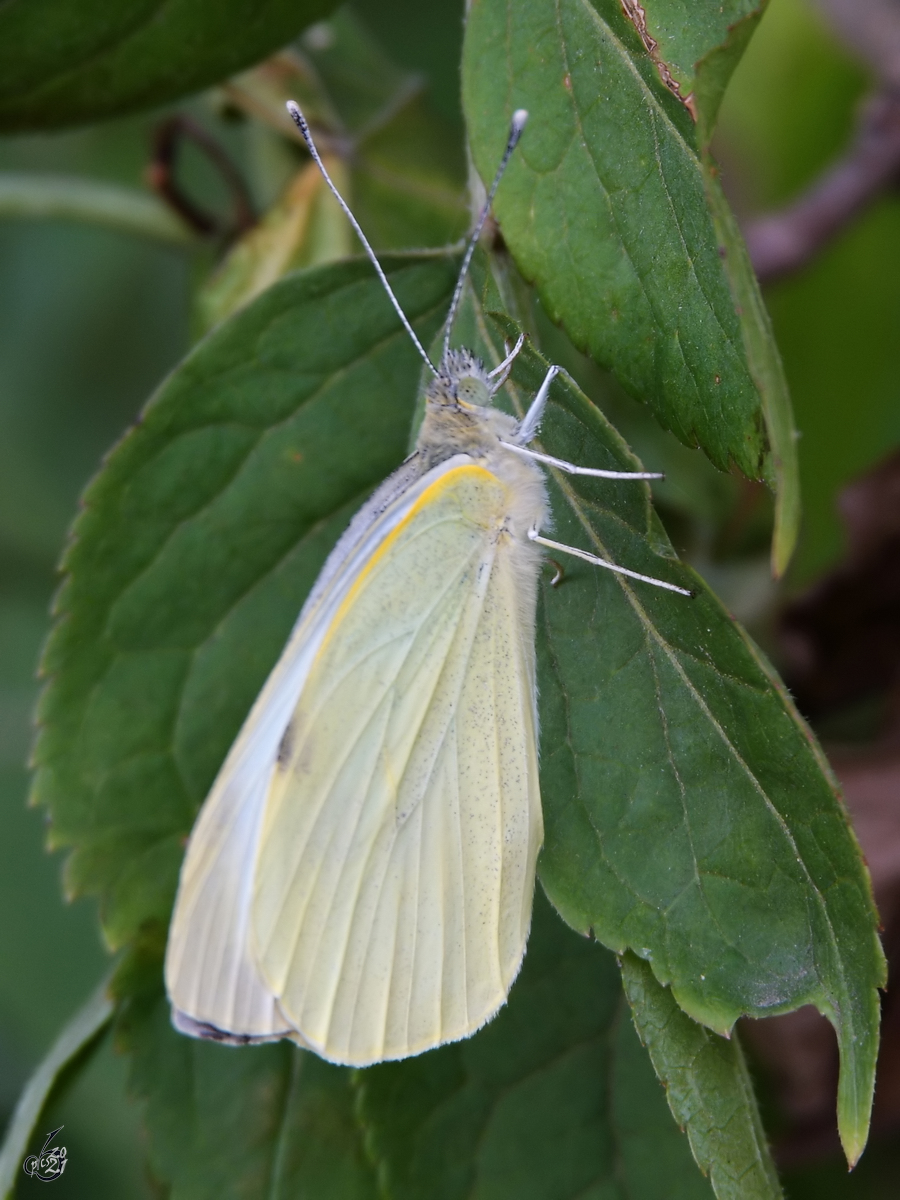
{"type": "Point", "coordinates": [211, 978]}
{"type": "Point", "coordinates": [394, 880]}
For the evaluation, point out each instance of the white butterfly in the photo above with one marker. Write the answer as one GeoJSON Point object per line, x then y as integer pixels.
{"type": "Point", "coordinates": [360, 877]}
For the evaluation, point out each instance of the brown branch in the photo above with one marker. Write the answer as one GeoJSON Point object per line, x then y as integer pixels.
{"type": "Point", "coordinates": [784, 241]}
{"type": "Point", "coordinates": [872, 29]}
{"type": "Point", "coordinates": [162, 177]}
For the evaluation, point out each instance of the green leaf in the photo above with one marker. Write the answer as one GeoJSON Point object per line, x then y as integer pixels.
{"type": "Point", "coordinates": [664, 727]}
{"type": "Point", "coordinates": [66, 62]}
{"type": "Point", "coordinates": [226, 1124]}
{"type": "Point", "coordinates": [75, 1041]}
{"type": "Point", "coordinates": [554, 1100]}
{"type": "Point", "coordinates": [708, 1088]}
{"type": "Point", "coordinates": [196, 546]}
{"type": "Point", "coordinates": [689, 814]}
{"type": "Point", "coordinates": [615, 213]}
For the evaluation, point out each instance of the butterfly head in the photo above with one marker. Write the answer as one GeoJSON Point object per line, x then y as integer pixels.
{"type": "Point", "coordinates": [463, 382]}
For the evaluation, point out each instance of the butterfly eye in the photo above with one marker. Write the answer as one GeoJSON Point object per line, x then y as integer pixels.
{"type": "Point", "coordinates": [471, 390]}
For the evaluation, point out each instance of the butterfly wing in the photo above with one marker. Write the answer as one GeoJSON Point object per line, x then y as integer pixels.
{"type": "Point", "coordinates": [394, 880]}
{"type": "Point", "coordinates": [211, 978]}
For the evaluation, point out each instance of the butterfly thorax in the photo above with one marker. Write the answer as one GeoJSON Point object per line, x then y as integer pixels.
{"type": "Point", "coordinates": [459, 419]}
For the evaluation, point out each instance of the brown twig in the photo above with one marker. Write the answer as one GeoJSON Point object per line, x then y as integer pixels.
{"type": "Point", "coordinates": [781, 242]}
{"type": "Point", "coordinates": [872, 29]}
{"type": "Point", "coordinates": [784, 241]}
{"type": "Point", "coordinates": [162, 177]}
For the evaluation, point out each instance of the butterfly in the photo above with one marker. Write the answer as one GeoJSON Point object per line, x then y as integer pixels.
{"type": "Point", "coordinates": [360, 878]}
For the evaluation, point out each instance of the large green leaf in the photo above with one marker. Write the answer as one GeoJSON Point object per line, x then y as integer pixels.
{"type": "Point", "coordinates": [64, 62]}
{"type": "Point", "coordinates": [666, 728]}
{"type": "Point", "coordinates": [690, 815]}
{"type": "Point", "coordinates": [555, 1100]}
{"type": "Point", "coordinates": [193, 553]}
{"type": "Point", "coordinates": [613, 209]}
{"type": "Point", "coordinates": [228, 1124]}
{"type": "Point", "coordinates": [695, 46]}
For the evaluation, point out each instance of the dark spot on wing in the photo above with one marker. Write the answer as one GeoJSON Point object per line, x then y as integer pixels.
{"type": "Point", "coordinates": [286, 746]}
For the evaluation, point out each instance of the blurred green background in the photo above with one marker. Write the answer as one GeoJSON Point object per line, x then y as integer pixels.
{"type": "Point", "coordinates": [91, 321]}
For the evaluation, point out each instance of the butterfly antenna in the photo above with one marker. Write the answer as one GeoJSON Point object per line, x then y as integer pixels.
{"type": "Point", "coordinates": [519, 117]}
{"type": "Point", "coordinates": [300, 121]}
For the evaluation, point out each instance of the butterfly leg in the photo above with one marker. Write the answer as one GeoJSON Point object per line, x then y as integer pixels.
{"type": "Point", "coordinates": [602, 562]}
{"type": "Point", "coordinates": [500, 373]}
{"type": "Point", "coordinates": [529, 428]}
{"type": "Point", "coordinates": [532, 418]}
{"type": "Point", "coordinates": [573, 469]}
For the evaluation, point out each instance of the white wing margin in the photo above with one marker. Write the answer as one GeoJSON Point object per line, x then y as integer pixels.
{"type": "Point", "coordinates": [395, 872]}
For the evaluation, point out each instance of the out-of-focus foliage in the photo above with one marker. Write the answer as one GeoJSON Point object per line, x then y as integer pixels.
{"type": "Point", "coordinates": [64, 63]}
{"type": "Point", "coordinates": [88, 321]}
{"type": "Point", "coordinates": [790, 109]}
{"type": "Point", "coordinates": [392, 158]}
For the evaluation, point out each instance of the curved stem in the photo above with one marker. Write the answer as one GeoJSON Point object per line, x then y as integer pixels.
{"type": "Point", "coordinates": [72, 198]}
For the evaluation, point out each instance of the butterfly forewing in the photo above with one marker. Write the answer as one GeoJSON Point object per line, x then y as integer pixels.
{"type": "Point", "coordinates": [394, 881]}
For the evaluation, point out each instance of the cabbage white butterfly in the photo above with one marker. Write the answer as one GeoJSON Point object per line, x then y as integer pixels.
{"type": "Point", "coordinates": [360, 877]}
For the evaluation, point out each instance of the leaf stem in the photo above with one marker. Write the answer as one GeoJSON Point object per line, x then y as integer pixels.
{"type": "Point", "coordinates": [72, 198]}
{"type": "Point", "coordinates": [90, 1020]}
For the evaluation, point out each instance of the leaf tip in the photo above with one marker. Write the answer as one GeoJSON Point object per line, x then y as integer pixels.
{"type": "Point", "coordinates": [856, 1085]}
{"type": "Point", "coordinates": [854, 1142]}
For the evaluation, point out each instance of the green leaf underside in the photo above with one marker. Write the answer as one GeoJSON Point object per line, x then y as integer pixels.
{"type": "Point", "coordinates": [687, 815]}
{"type": "Point", "coordinates": [76, 1038]}
{"type": "Point", "coordinates": [230, 1124]}
{"type": "Point", "coordinates": [64, 64]}
{"type": "Point", "coordinates": [199, 540]}
{"type": "Point", "coordinates": [554, 1100]}
{"type": "Point", "coordinates": [606, 206]}
{"type": "Point", "coordinates": [708, 1088]}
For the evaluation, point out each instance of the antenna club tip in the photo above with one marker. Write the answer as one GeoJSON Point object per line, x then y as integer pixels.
{"type": "Point", "coordinates": [294, 109]}
{"type": "Point", "coordinates": [519, 117]}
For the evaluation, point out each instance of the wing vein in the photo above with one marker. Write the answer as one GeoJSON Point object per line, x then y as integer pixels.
{"type": "Point", "coordinates": [428, 779]}
{"type": "Point", "coordinates": [341, 762]}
